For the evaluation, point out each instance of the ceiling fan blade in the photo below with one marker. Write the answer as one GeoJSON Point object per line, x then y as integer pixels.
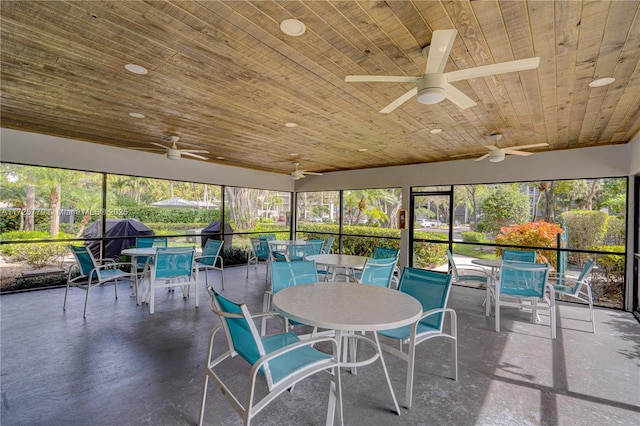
{"type": "Point", "coordinates": [516, 152]}
{"type": "Point", "coordinates": [482, 158]}
{"type": "Point", "coordinates": [492, 147]}
{"type": "Point", "coordinates": [194, 151]}
{"type": "Point", "coordinates": [499, 68]}
{"type": "Point", "coordinates": [312, 173]}
{"type": "Point", "coordinates": [200, 157]}
{"type": "Point", "coordinates": [145, 149]}
{"type": "Point", "coordinates": [402, 99]}
{"type": "Point", "coordinates": [379, 79]}
{"type": "Point", "coordinates": [160, 145]}
{"type": "Point", "coordinates": [458, 97]}
{"type": "Point", "coordinates": [535, 145]}
{"type": "Point", "coordinates": [439, 49]}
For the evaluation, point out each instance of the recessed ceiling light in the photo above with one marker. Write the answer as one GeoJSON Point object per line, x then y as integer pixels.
{"type": "Point", "coordinates": [136, 69]}
{"type": "Point", "coordinates": [602, 82]}
{"type": "Point", "coordinates": [363, 150]}
{"type": "Point", "coordinates": [292, 27]}
{"type": "Point", "coordinates": [294, 154]}
{"type": "Point", "coordinates": [435, 131]}
{"type": "Point", "coordinates": [136, 115]}
{"type": "Point", "coordinates": [220, 158]}
{"type": "Point", "coordinates": [291, 124]}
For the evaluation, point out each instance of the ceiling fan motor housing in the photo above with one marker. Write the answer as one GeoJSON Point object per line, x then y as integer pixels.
{"type": "Point", "coordinates": [431, 88]}
{"type": "Point", "coordinates": [496, 155]}
{"type": "Point", "coordinates": [173, 154]}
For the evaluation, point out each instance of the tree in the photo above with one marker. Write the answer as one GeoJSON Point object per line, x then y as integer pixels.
{"type": "Point", "coordinates": [506, 205]}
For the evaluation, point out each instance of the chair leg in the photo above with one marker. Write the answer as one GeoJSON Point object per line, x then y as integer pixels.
{"type": "Point", "coordinates": [86, 299]}
{"type": "Point", "coordinates": [410, 367]}
{"type": "Point", "coordinates": [497, 314]}
{"type": "Point", "coordinates": [66, 290]}
{"type": "Point", "coordinates": [591, 317]}
{"type": "Point", "coordinates": [203, 400]}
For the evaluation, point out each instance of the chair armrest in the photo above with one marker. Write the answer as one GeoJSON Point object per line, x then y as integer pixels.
{"type": "Point", "coordinates": [279, 352]}
{"type": "Point", "coordinates": [114, 265]}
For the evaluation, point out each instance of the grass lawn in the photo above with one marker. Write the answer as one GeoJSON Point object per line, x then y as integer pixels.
{"type": "Point", "coordinates": [480, 252]}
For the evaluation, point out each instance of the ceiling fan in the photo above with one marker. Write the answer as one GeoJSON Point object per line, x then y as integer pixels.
{"type": "Point", "coordinates": [497, 155]}
{"type": "Point", "coordinates": [174, 153]}
{"type": "Point", "coordinates": [299, 174]}
{"type": "Point", "coordinates": [435, 85]}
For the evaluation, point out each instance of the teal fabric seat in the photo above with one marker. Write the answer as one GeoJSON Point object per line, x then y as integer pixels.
{"type": "Point", "coordinates": [87, 273]}
{"type": "Point", "coordinates": [210, 258]}
{"type": "Point", "coordinates": [432, 290]}
{"type": "Point", "coordinates": [522, 285]}
{"type": "Point", "coordinates": [578, 288]}
{"type": "Point", "coordinates": [282, 360]}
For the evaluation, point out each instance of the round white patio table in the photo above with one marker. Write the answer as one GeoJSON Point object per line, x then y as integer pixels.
{"type": "Point", "coordinates": [494, 264]}
{"type": "Point", "coordinates": [347, 261]}
{"type": "Point", "coordinates": [348, 308]}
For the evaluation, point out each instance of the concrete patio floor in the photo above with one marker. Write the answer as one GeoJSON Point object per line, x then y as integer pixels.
{"type": "Point", "coordinates": [122, 366]}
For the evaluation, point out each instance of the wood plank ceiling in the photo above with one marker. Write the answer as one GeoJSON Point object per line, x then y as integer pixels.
{"type": "Point", "coordinates": [224, 78]}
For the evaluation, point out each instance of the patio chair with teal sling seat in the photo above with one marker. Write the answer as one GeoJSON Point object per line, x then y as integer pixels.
{"type": "Point", "coordinates": [259, 253]}
{"type": "Point", "coordinates": [577, 288]}
{"type": "Point", "coordinates": [282, 359]}
{"type": "Point", "coordinates": [466, 273]}
{"type": "Point", "coordinates": [173, 267]}
{"type": "Point", "coordinates": [378, 272]}
{"type": "Point", "coordinates": [87, 273]}
{"type": "Point", "coordinates": [327, 248]}
{"type": "Point", "coordinates": [211, 257]}
{"type": "Point", "coordinates": [287, 274]}
{"type": "Point", "coordinates": [523, 285]}
{"type": "Point", "coordinates": [432, 290]}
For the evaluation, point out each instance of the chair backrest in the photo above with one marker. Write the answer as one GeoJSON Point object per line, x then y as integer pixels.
{"type": "Point", "coordinates": [452, 263]}
{"type": "Point", "coordinates": [327, 245]}
{"type": "Point", "coordinates": [430, 288]}
{"type": "Point", "coordinates": [268, 237]}
{"type": "Point", "coordinates": [385, 253]}
{"type": "Point", "coordinates": [242, 335]}
{"type": "Point", "coordinates": [86, 261]}
{"type": "Point", "coordinates": [318, 246]}
{"type": "Point", "coordinates": [519, 255]}
{"type": "Point", "coordinates": [174, 262]}
{"type": "Point", "coordinates": [523, 279]}
{"type": "Point", "coordinates": [288, 274]}
{"type": "Point", "coordinates": [146, 242]}
{"type": "Point", "coordinates": [260, 248]}
{"type": "Point", "coordinates": [584, 274]}
{"type": "Point", "coordinates": [211, 250]}
{"type": "Point", "coordinates": [378, 272]}
{"type": "Point", "coordinates": [300, 251]}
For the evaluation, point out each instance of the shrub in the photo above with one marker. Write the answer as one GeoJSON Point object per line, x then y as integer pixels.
{"type": "Point", "coordinates": [533, 234]}
{"type": "Point", "coordinates": [585, 229]}
{"type": "Point", "coordinates": [234, 256]}
{"type": "Point", "coordinates": [615, 231]}
{"type": "Point", "coordinates": [608, 279]}
{"type": "Point", "coordinates": [473, 237]}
